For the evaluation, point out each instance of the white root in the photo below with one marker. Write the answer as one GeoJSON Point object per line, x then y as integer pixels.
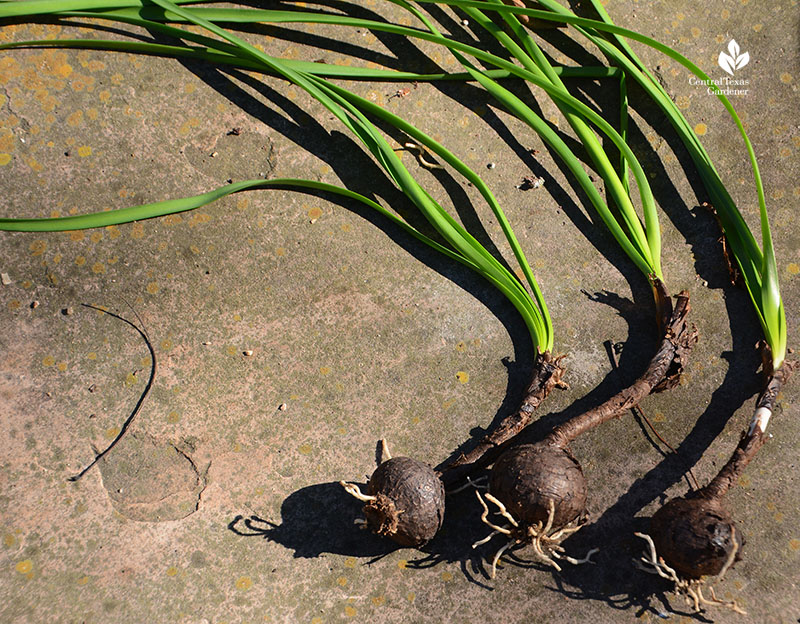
{"type": "Point", "coordinates": [478, 484]}
{"type": "Point", "coordinates": [497, 556]}
{"type": "Point", "coordinates": [385, 454]}
{"type": "Point", "coordinates": [353, 490]}
{"type": "Point", "coordinates": [485, 516]}
{"type": "Point", "coordinates": [690, 589]}
{"type": "Point", "coordinates": [585, 559]}
{"type": "Point", "coordinates": [487, 538]}
{"type": "Point", "coordinates": [731, 557]}
{"type": "Point", "coordinates": [546, 545]}
{"type": "Point", "coordinates": [503, 510]}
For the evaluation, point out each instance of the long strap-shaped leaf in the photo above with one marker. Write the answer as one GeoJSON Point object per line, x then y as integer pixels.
{"type": "Point", "coordinates": [539, 323]}
{"type": "Point", "coordinates": [759, 268]}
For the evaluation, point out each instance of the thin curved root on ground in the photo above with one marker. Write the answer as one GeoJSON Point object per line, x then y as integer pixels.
{"type": "Point", "coordinates": [546, 544]}
{"type": "Point", "coordinates": [690, 589]}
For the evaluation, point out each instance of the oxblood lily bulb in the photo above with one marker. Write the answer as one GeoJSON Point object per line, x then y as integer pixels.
{"type": "Point", "coordinates": [404, 500]}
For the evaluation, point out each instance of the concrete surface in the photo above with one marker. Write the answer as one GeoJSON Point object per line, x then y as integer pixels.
{"type": "Point", "coordinates": [218, 506]}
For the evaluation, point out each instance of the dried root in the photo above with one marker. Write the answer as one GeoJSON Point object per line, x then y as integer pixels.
{"type": "Point", "coordinates": [545, 541]}
{"type": "Point", "coordinates": [690, 589]}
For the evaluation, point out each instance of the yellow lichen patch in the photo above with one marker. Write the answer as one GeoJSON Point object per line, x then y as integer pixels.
{"type": "Point", "coordinates": [137, 231]}
{"type": "Point", "coordinates": [9, 69]}
{"type": "Point", "coordinates": [166, 344]}
{"type": "Point", "coordinates": [744, 481]}
{"type": "Point", "coordinates": [111, 433]}
{"type": "Point", "coordinates": [244, 583]}
{"type": "Point", "coordinates": [172, 571]}
{"type": "Point", "coordinates": [199, 218]}
{"type": "Point", "coordinates": [4, 159]}
{"type": "Point", "coordinates": [379, 600]}
{"type": "Point", "coordinates": [84, 580]}
{"type": "Point", "coordinates": [34, 164]}
{"type": "Point", "coordinates": [411, 596]}
{"type": "Point", "coordinates": [342, 581]}
{"type": "Point", "coordinates": [172, 219]}
{"type": "Point", "coordinates": [231, 350]}
{"type": "Point", "coordinates": [92, 355]}
{"type": "Point", "coordinates": [700, 129]}
{"type": "Point", "coordinates": [64, 70]}
{"type": "Point", "coordinates": [349, 611]}
{"type": "Point", "coordinates": [8, 142]}
{"type": "Point", "coordinates": [84, 151]}
{"type": "Point", "coordinates": [81, 82]}
{"type": "Point", "coordinates": [173, 417]}
{"type": "Point", "coordinates": [462, 376]}
{"type": "Point", "coordinates": [9, 540]}
{"type": "Point", "coordinates": [305, 449]}
{"type": "Point", "coordinates": [324, 370]}
{"type": "Point", "coordinates": [95, 65]}
{"type": "Point", "coordinates": [237, 317]}
{"type": "Point", "coordinates": [786, 152]}
{"type": "Point", "coordinates": [24, 567]}
{"type": "Point", "coordinates": [98, 268]}
{"type": "Point", "coordinates": [786, 77]}
{"type": "Point", "coordinates": [104, 95]}
{"type": "Point", "coordinates": [314, 213]}
{"type": "Point", "coordinates": [37, 247]}
{"type": "Point", "coordinates": [130, 379]}
{"type": "Point", "coordinates": [152, 288]}
{"type": "Point", "coordinates": [461, 346]}
{"type": "Point", "coordinates": [14, 304]}
{"type": "Point", "coordinates": [80, 260]}
{"type": "Point", "coordinates": [188, 125]}
{"type": "Point", "coordinates": [48, 360]}
{"type": "Point", "coordinates": [696, 32]}
{"type": "Point", "coordinates": [793, 268]}
{"type": "Point", "coordinates": [61, 366]}
{"type": "Point", "coordinates": [113, 231]}
{"type": "Point", "coordinates": [794, 544]}
{"type": "Point", "coordinates": [658, 417]}
{"type": "Point", "coordinates": [683, 101]}
{"type": "Point", "coordinates": [778, 194]}
{"type": "Point", "coordinates": [12, 121]}
{"type": "Point", "coordinates": [96, 236]}
{"type": "Point", "coordinates": [447, 576]}
{"type": "Point", "coordinates": [75, 119]}
{"type": "Point", "coordinates": [350, 562]}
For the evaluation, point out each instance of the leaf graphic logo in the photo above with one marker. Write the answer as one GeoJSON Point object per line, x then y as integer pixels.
{"type": "Point", "coordinates": [733, 60]}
